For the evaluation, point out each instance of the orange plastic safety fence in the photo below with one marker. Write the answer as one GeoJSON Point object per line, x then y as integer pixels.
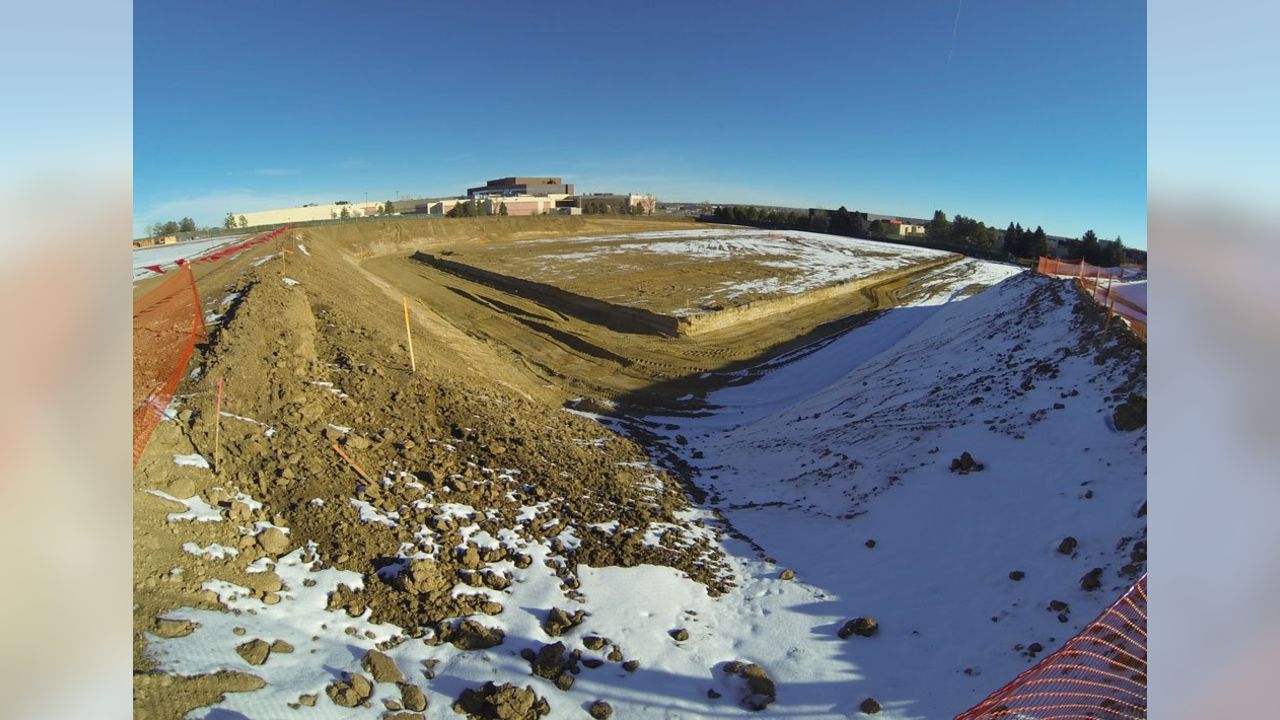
{"type": "Point", "coordinates": [1100, 673]}
{"type": "Point", "coordinates": [1098, 282]}
{"type": "Point", "coordinates": [167, 324]}
{"type": "Point", "coordinates": [1081, 269]}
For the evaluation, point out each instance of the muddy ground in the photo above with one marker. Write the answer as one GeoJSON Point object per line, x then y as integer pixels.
{"type": "Point", "coordinates": [301, 361]}
{"type": "Point", "coordinates": [319, 390]}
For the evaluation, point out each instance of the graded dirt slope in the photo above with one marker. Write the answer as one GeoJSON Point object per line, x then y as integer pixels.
{"type": "Point", "coordinates": [595, 355]}
{"type": "Point", "coordinates": [274, 577]}
{"type": "Point", "coordinates": [462, 455]}
{"type": "Point", "coordinates": [693, 272]}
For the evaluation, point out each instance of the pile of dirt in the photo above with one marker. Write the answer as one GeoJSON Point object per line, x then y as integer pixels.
{"type": "Point", "coordinates": [438, 480]}
{"type": "Point", "coordinates": [501, 702]}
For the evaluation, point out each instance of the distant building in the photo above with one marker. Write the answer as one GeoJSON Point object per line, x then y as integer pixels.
{"type": "Point", "coordinates": [519, 195]}
{"type": "Point", "coordinates": [517, 186]}
{"type": "Point", "coordinates": [895, 228]}
{"type": "Point", "coordinates": [326, 211]}
{"type": "Point", "coordinates": [598, 203]}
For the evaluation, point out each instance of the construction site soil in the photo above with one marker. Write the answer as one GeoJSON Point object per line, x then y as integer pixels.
{"type": "Point", "coordinates": [318, 390]}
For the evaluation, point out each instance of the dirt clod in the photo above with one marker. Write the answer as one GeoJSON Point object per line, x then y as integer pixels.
{"type": "Point", "coordinates": [965, 464]}
{"type": "Point", "coordinates": [862, 627]}
{"type": "Point", "coordinates": [381, 667]}
{"type": "Point", "coordinates": [1131, 414]}
{"type": "Point", "coordinates": [471, 635]}
{"type": "Point", "coordinates": [273, 541]}
{"type": "Point", "coordinates": [1091, 580]}
{"type": "Point", "coordinates": [870, 706]}
{"type": "Point", "coordinates": [412, 698]}
{"type": "Point", "coordinates": [254, 652]}
{"type": "Point", "coordinates": [759, 691]}
{"type": "Point", "coordinates": [560, 621]}
{"type": "Point", "coordinates": [600, 710]}
{"type": "Point", "coordinates": [501, 702]}
{"type": "Point", "coordinates": [352, 691]}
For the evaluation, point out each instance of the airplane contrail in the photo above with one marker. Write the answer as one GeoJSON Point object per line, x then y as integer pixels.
{"type": "Point", "coordinates": [955, 29]}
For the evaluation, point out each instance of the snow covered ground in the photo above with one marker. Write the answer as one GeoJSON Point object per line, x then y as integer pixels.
{"type": "Point", "coordinates": [827, 451]}
{"type": "Point", "coordinates": [166, 255]}
{"type": "Point", "coordinates": [852, 444]}
{"type": "Point", "coordinates": [801, 260]}
{"type": "Point", "coordinates": [1133, 292]}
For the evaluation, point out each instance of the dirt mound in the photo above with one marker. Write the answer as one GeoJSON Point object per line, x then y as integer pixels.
{"type": "Point", "coordinates": [456, 482]}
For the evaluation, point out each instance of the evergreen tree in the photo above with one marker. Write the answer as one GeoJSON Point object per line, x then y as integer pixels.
{"type": "Point", "coordinates": [939, 229]}
{"type": "Point", "coordinates": [243, 222]}
{"type": "Point", "coordinates": [1089, 247]}
{"type": "Point", "coordinates": [186, 225]}
{"type": "Point", "coordinates": [1010, 240]}
{"type": "Point", "coordinates": [229, 222]}
{"type": "Point", "coordinates": [1039, 244]}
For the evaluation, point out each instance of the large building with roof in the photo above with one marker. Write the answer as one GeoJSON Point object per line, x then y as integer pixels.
{"type": "Point", "coordinates": [518, 186]}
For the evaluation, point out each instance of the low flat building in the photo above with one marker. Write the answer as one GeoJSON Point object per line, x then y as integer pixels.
{"type": "Point", "coordinates": [899, 229]}
{"type": "Point", "coordinates": [319, 211]}
{"type": "Point", "coordinates": [611, 203]}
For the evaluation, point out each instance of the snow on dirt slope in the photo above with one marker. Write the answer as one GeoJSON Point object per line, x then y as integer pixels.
{"type": "Point", "coordinates": [166, 255]}
{"type": "Point", "coordinates": [781, 457]}
{"type": "Point", "coordinates": [800, 260]}
{"type": "Point", "coordinates": [837, 466]}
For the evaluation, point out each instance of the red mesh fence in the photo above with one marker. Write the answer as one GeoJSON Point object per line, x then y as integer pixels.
{"type": "Point", "coordinates": [1106, 286]}
{"type": "Point", "coordinates": [167, 324]}
{"type": "Point", "coordinates": [222, 252]}
{"type": "Point", "coordinates": [1081, 269]}
{"type": "Point", "coordinates": [1100, 674]}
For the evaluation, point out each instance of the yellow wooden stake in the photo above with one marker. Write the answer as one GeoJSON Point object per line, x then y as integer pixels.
{"type": "Point", "coordinates": [413, 363]}
{"type": "Point", "coordinates": [217, 430]}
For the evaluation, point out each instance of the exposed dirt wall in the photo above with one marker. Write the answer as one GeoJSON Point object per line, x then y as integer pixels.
{"type": "Point", "coordinates": [625, 319]}
{"type": "Point", "coordinates": [618, 318]}
{"type": "Point", "coordinates": [760, 309]}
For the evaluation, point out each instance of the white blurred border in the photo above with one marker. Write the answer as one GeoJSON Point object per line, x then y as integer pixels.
{"type": "Point", "coordinates": [65, 520]}
{"type": "Point", "coordinates": [1214, 357]}
{"type": "Point", "coordinates": [65, 478]}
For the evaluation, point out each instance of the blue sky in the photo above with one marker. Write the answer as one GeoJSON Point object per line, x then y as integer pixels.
{"type": "Point", "coordinates": [1002, 110]}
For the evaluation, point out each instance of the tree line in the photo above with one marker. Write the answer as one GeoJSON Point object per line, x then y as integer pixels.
{"type": "Point", "coordinates": [961, 233]}
{"type": "Point", "coordinates": [171, 227]}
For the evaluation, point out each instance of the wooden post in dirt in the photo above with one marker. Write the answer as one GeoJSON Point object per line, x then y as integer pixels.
{"type": "Point", "coordinates": [351, 462]}
{"type": "Point", "coordinates": [217, 429]}
{"type": "Point", "coordinates": [413, 363]}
